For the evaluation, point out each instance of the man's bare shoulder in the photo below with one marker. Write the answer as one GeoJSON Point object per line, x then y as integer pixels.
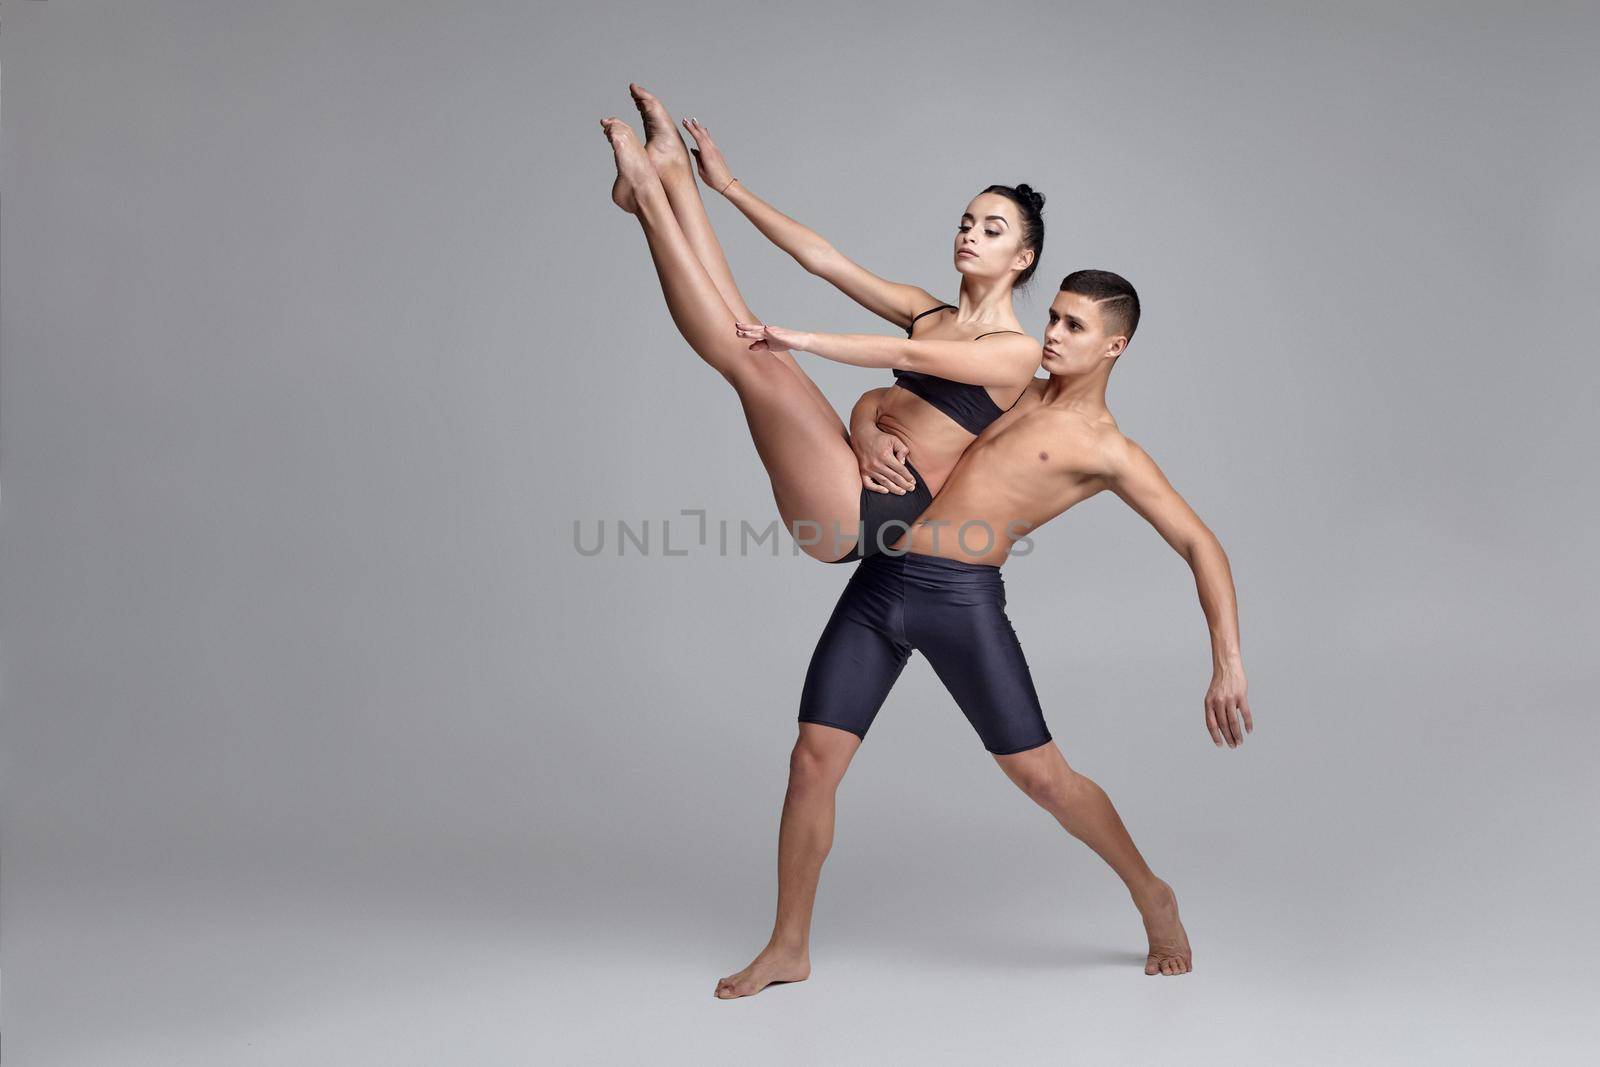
{"type": "Point", "coordinates": [1122, 456]}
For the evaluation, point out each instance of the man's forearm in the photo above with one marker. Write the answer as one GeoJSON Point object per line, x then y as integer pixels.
{"type": "Point", "coordinates": [1214, 580]}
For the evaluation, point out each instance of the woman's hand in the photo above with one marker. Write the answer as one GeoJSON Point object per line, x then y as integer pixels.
{"type": "Point", "coordinates": [882, 458]}
{"type": "Point", "coordinates": [713, 168]}
{"type": "Point", "coordinates": [772, 338]}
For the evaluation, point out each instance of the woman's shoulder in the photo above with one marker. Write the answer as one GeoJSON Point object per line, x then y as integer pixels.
{"type": "Point", "coordinates": [924, 306]}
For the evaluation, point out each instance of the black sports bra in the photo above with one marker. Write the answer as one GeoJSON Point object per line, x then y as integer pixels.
{"type": "Point", "coordinates": [969, 405]}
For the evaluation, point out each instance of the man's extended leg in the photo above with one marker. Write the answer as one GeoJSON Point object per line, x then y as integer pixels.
{"type": "Point", "coordinates": [957, 619]}
{"type": "Point", "coordinates": [816, 766]}
{"type": "Point", "coordinates": [1084, 810]}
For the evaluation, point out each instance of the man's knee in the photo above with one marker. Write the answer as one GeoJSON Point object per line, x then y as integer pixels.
{"type": "Point", "coordinates": [1043, 789]}
{"type": "Point", "coordinates": [1043, 775]}
{"type": "Point", "coordinates": [820, 762]}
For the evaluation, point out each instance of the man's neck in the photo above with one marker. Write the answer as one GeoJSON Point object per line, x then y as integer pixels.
{"type": "Point", "coordinates": [1084, 393]}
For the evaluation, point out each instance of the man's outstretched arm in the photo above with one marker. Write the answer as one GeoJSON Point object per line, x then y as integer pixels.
{"type": "Point", "coordinates": [1135, 478]}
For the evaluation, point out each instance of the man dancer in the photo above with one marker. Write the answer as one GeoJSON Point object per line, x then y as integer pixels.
{"type": "Point", "coordinates": [939, 591]}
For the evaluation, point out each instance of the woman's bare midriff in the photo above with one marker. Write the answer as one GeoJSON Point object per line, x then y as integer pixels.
{"type": "Point", "coordinates": [933, 438]}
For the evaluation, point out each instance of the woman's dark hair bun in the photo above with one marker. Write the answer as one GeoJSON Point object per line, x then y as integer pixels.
{"type": "Point", "coordinates": [1031, 201]}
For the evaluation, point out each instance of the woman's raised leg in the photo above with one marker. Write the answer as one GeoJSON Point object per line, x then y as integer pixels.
{"type": "Point", "coordinates": [813, 472]}
{"type": "Point", "coordinates": [667, 153]}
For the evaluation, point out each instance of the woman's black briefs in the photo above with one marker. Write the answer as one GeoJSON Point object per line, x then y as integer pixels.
{"type": "Point", "coordinates": [954, 613]}
{"type": "Point", "coordinates": [885, 516]}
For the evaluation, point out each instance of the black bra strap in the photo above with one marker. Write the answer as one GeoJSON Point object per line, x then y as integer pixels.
{"type": "Point", "coordinates": [930, 311]}
{"type": "Point", "coordinates": [1024, 392]}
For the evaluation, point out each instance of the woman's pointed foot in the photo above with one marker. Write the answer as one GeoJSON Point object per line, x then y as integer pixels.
{"type": "Point", "coordinates": [633, 168]}
{"type": "Point", "coordinates": [662, 143]}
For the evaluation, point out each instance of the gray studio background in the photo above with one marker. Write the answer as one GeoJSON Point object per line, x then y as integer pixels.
{"type": "Point", "coordinates": [322, 744]}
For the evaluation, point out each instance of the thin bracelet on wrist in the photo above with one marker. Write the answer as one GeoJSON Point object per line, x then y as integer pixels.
{"type": "Point", "coordinates": [725, 188]}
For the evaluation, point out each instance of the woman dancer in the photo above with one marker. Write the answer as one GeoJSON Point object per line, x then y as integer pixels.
{"type": "Point", "coordinates": [956, 372]}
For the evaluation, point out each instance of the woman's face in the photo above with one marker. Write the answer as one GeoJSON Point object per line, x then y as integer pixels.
{"type": "Point", "coordinates": [989, 239]}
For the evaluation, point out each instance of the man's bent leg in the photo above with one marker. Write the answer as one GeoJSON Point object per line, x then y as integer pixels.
{"type": "Point", "coordinates": [1085, 812]}
{"type": "Point", "coordinates": [820, 757]}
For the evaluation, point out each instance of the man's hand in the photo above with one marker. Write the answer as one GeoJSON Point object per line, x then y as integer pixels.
{"type": "Point", "coordinates": [882, 458]}
{"type": "Point", "coordinates": [1228, 707]}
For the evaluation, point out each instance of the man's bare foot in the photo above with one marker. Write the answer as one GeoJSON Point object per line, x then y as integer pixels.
{"type": "Point", "coordinates": [1169, 945]}
{"type": "Point", "coordinates": [773, 965]}
{"type": "Point", "coordinates": [634, 172]}
{"type": "Point", "coordinates": [662, 142]}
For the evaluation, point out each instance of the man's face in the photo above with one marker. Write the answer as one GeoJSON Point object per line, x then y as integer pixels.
{"type": "Point", "coordinates": [1075, 340]}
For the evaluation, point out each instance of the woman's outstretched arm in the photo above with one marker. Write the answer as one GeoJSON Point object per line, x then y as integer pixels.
{"type": "Point", "coordinates": [891, 300]}
{"type": "Point", "coordinates": [1001, 359]}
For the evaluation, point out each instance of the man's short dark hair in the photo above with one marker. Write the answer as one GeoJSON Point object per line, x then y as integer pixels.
{"type": "Point", "coordinates": [1118, 302]}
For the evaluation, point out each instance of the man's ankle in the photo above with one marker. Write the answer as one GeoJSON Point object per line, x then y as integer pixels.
{"type": "Point", "coordinates": [1152, 889]}
{"type": "Point", "coordinates": [789, 944]}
